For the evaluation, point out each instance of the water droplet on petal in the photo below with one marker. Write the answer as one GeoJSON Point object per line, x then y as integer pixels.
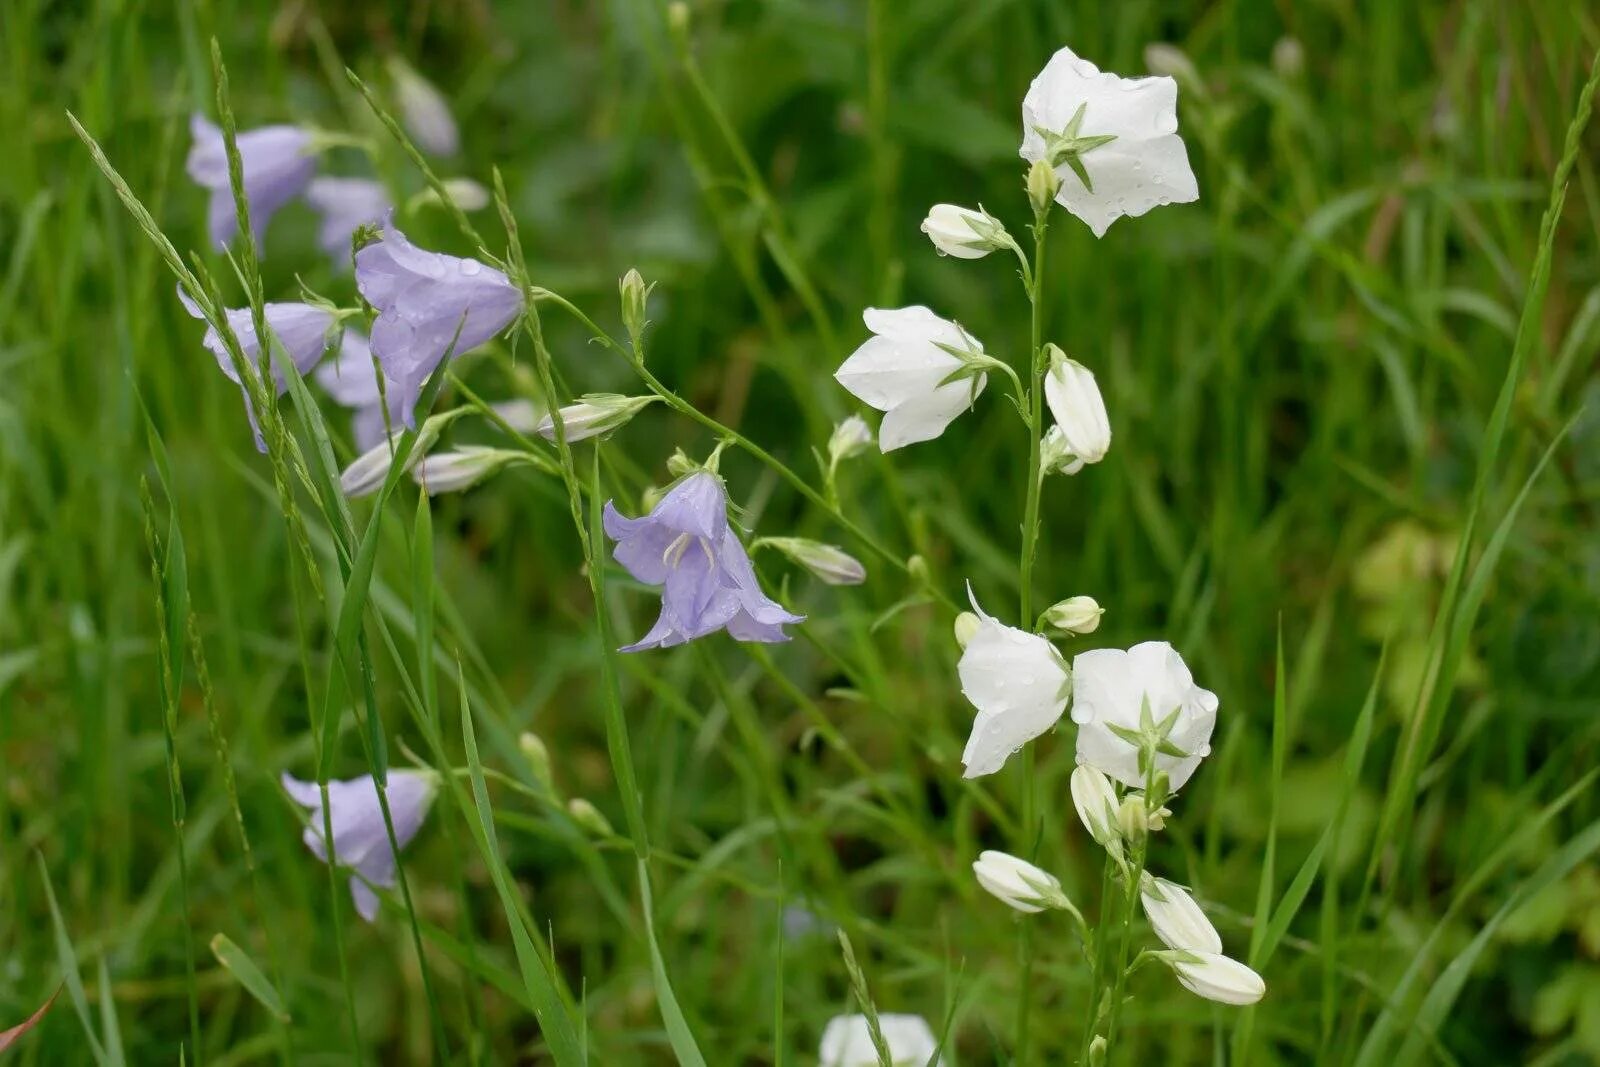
{"type": "Point", "coordinates": [469, 267]}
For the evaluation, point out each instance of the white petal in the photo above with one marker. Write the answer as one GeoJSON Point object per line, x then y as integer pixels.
{"type": "Point", "coordinates": [886, 371]}
{"type": "Point", "coordinates": [1016, 681]}
{"type": "Point", "coordinates": [925, 417]}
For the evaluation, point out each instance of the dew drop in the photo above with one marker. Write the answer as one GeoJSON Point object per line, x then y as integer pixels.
{"type": "Point", "coordinates": [470, 267]}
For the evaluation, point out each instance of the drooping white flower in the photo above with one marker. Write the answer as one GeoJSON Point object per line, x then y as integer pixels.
{"type": "Point", "coordinates": [1110, 687]}
{"type": "Point", "coordinates": [1075, 615]}
{"type": "Point", "coordinates": [963, 232]}
{"type": "Point", "coordinates": [1216, 977]}
{"type": "Point", "coordinates": [1016, 882]}
{"type": "Point", "coordinates": [1079, 411]}
{"type": "Point", "coordinates": [846, 1041]}
{"type": "Point", "coordinates": [360, 838]}
{"type": "Point", "coordinates": [1096, 801]}
{"type": "Point", "coordinates": [901, 370]}
{"type": "Point", "coordinates": [1176, 918]}
{"type": "Point", "coordinates": [595, 414]}
{"type": "Point", "coordinates": [1020, 686]}
{"type": "Point", "coordinates": [1113, 141]}
{"type": "Point", "coordinates": [424, 110]}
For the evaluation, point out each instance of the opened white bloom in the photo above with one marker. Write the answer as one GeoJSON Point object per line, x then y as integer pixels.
{"type": "Point", "coordinates": [1075, 615]}
{"type": "Point", "coordinates": [1176, 918]}
{"type": "Point", "coordinates": [964, 233]}
{"type": "Point", "coordinates": [1113, 141]}
{"type": "Point", "coordinates": [461, 468]}
{"type": "Point", "coordinates": [1096, 800]}
{"type": "Point", "coordinates": [1079, 410]}
{"type": "Point", "coordinates": [1019, 684]}
{"type": "Point", "coordinates": [424, 110]}
{"type": "Point", "coordinates": [360, 838]}
{"type": "Point", "coordinates": [851, 437]}
{"type": "Point", "coordinates": [595, 414]}
{"type": "Point", "coordinates": [902, 370]}
{"type": "Point", "coordinates": [1017, 883]}
{"type": "Point", "coordinates": [830, 563]}
{"type": "Point", "coordinates": [1216, 977]}
{"type": "Point", "coordinates": [846, 1041]}
{"type": "Point", "coordinates": [1110, 688]}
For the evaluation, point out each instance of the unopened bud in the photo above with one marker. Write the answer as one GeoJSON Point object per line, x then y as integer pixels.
{"type": "Point", "coordinates": [850, 437]}
{"type": "Point", "coordinates": [635, 300]}
{"type": "Point", "coordinates": [1133, 822]}
{"type": "Point", "coordinates": [1097, 1051]}
{"type": "Point", "coordinates": [963, 232]}
{"type": "Point", "coordinates": [1172, 61]}
{"type": "Point", "coordinates": [1075, 615]}
{"type": "Point", "coordinates": [461, 468]}
{"type": "Point", "coordinates": [679, 464]}
{"type": "Point", "coordinates": [678, 16]}
{"type": "Point", "coordinates": [1288, 57]}
{"type": "Point", "coordinates": [830, 563]}
{"type": "Point", "coordinates": [538, 757]}
{"type": "Point", "coordinates": [588, 816]}
{"type": "Point", "coordinates": [594, 414]}
{"type": "Point", "coordinates": [464, 193]}
{"type": "Point", "coordinates": [966, 627]}
{"type": "Point", "coordinates": [1043, 183]}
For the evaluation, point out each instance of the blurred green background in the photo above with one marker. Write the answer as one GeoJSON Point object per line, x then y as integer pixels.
{"type": "Point", "coordinates": [1299, 370]}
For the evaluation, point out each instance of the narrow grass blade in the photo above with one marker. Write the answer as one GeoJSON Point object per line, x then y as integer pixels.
{"type": "Point", "coordinates": [678, 1032]}
{"type": "Point", "coordinates": [238, 963]}
{"type": "Point", "coordinates": [68, 961]}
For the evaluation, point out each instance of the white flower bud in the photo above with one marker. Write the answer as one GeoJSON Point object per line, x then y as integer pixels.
{"type": "Point", "coordinates": [1017, 883]}
{"type": "Point", "coordinates": [635, 296]}
{"type": "Point", "coordinates": [830, 563]}
{"type": "Point", "coordinates": [851, 437]}
{"type": "Point", "coordinates": [964, 233]}
{"type": "Point", "coordinates": [1288, 57]}
{"type": "Point", "coordinates": [589, 817]}
{"type": "Point", "coordinates": [462, 468]}
{"type": "Point", "coordinates": [1133, 821]}
{"type": "Point", "coordinates": [538, 757]}
{"type": "Point", "coordinates": [521, 415]}
{"type": "Point", "coordinates": [1055, 455]}
{"type": "Point", "coordinates": [367, 472]}
{"type": "Point", "coordinates": [1075, 401]}
{"type": "Point", "coordinates": [1162, 58]}
{"type": "Point", "coordinates": [1176, 918]}
{"type": "Point", "coordinates": [1043, 184]}
{"type": "Point", "coordinates": [1096, 800]}
{"type": "Point", "coordinates": [424, 111]}
{"type": "Point", "coordinates": [594, 414]}
{"type": "Point", "coordinates": [966, 627]}
{"type": "Point", "coordinates": [1216, 977]}
{"type": "Point", "coordinates": [1075, 615]}
{"type": "Point", "coordinates": [464, 193]}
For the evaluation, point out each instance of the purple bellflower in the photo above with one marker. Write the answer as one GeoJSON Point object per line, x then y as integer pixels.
{"type": "Point", "coordinates": [301, 329]}
{"type": "Point", "coordinates": [277, 161]}
{"type": "Point", "coordinates": [344, 204]}
{"type": "Point", "coordinates": [360, 839]}
{"type": "Point", "coordinates": [351, 379]}
{"type": "Point", "coordinates": [687, 547]}
{"type": "Point", "coordinates": [423, 298]}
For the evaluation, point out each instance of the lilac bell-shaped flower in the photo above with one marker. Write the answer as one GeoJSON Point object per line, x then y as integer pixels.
{"type": "Point", "coordinates": [277, 162]}
{"type": "Point", "coordinates": [352, 381]}
{"type": "Point", "coordinates": [345, 204]}
{"type": "Point", "coordinates": [360, 838]}
{"type": "Point", "coordinates": [686, 546]}
{"type": "Point", "coordinates": [423, 298]}
{"type": "Point", "coordinates": [301, 329]}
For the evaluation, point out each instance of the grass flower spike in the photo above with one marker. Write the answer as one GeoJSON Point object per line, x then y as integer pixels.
{"type": "Point", "coordinates": [1113, 141]}
{"type": "Point", "coordinates": [360, 838]}
{"type": "Point", "coordinates": [905, 369]}
{"type": "Point", "coordinates": [277, 161]}
{"type": "Point", "coordinates": [687, 546]}
{"type": "Point", "coordinates": [1020, 686]}
{"type": "Point", "coordinates": [423, 298]}
{"type": "Point", "coordinates": [847, 1041]}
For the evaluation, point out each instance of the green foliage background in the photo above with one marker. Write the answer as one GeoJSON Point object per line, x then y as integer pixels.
{"type": "Point", "coordinates": [1300, 369]}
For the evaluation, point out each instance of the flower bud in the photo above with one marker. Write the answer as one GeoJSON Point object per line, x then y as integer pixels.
{"type": "Point", "coordinates": [538, 757]}
{"type": "Point", "coordinates": [1079, 410]}
{"type": "Point", "coordinates": [588, 816]}
{"type": "Point", "coordinates": [1097, 1051]}
{"type": "Point", "coordinates": [966, 626]}
{"type": "Point", "coordinates": [1176, 918]}
{"type": "Point", "coordinates": [464, 193]}
{"type": "Point", "coordinates": [851, 437]}
{"type": "Point", "coordinates": [1133, 822]}
{"type": "Point", "coordinates": [830, 563]}
{"type": "Point", "coordinates": [1096, 800]}
{"type": "Point", "coordinates": [1162, 58]}
{"type": "Point", "coordinates": [1216, 977]}
{"type": "Point", "coordinates": [679, 464]}
{"type": "Point", "coordinates": [423, 110]}
{"type": "Point", "coordinates": [521, 415]}
{"type": "Point", "coordinates": [1017, 883]}
{"type": "Point", "coordinates": [368, 471]}
{"type": "Point", "coordinates": [635, 300]}
{"type": "Point", "coordinates": [1075, 615]}
{"type": "Point", "coordinates": [1288, 57]}
{"type": "Point", "coordinates": [964, 233]}
{"type": "Point", "coordinates": [1055, 456]}
{"type": "Point", "coordinates": [1043, 183]}
{"type": "Point", "coordinates": [462, 468]}
{"type": "Point", "coordinates": [594, 414]}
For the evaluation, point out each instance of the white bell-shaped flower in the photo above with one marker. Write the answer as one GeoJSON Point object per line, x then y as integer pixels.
{"type": "Point", "coordinates": [964, 233]}
{"type": "Point", "coordinates": [847, 1042]}
{"type": "Point", "coordinates": [1110, 688]}
{"type": "Point", "coordinates": [1176, 918]}
{"type": "Point", "coordinates": [1113, 141]}
{"type": "Point", "coordinates": [1217, 977]}
{"type": "Point", "coordinates": [902, 370]}
{"type": "Point", "coordinates": [1019, 684]}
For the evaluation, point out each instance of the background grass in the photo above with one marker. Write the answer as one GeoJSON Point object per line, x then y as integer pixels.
{"type": "Point", "coordinates": [1300, 370]}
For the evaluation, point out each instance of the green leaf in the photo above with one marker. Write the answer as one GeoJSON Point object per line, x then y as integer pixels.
{"type": "Point", "coordinates": [237, 962]}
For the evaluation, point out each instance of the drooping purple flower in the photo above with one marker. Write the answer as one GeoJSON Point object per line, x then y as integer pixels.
{"type": "Point", "coordinates": [277, 161]}
{"type": "Point", "coordinates": [360, 838]}
{"type": "Point", "coordinates": [423, 298]}
{"type": "Point", "coordinates": [344, 204]}
{"type": "Point", "coordinates": [687, 547]}
{"type": "Point", "coordinates": [352, 381]}
{"type": "Point", "coordinates": [301, 329]}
